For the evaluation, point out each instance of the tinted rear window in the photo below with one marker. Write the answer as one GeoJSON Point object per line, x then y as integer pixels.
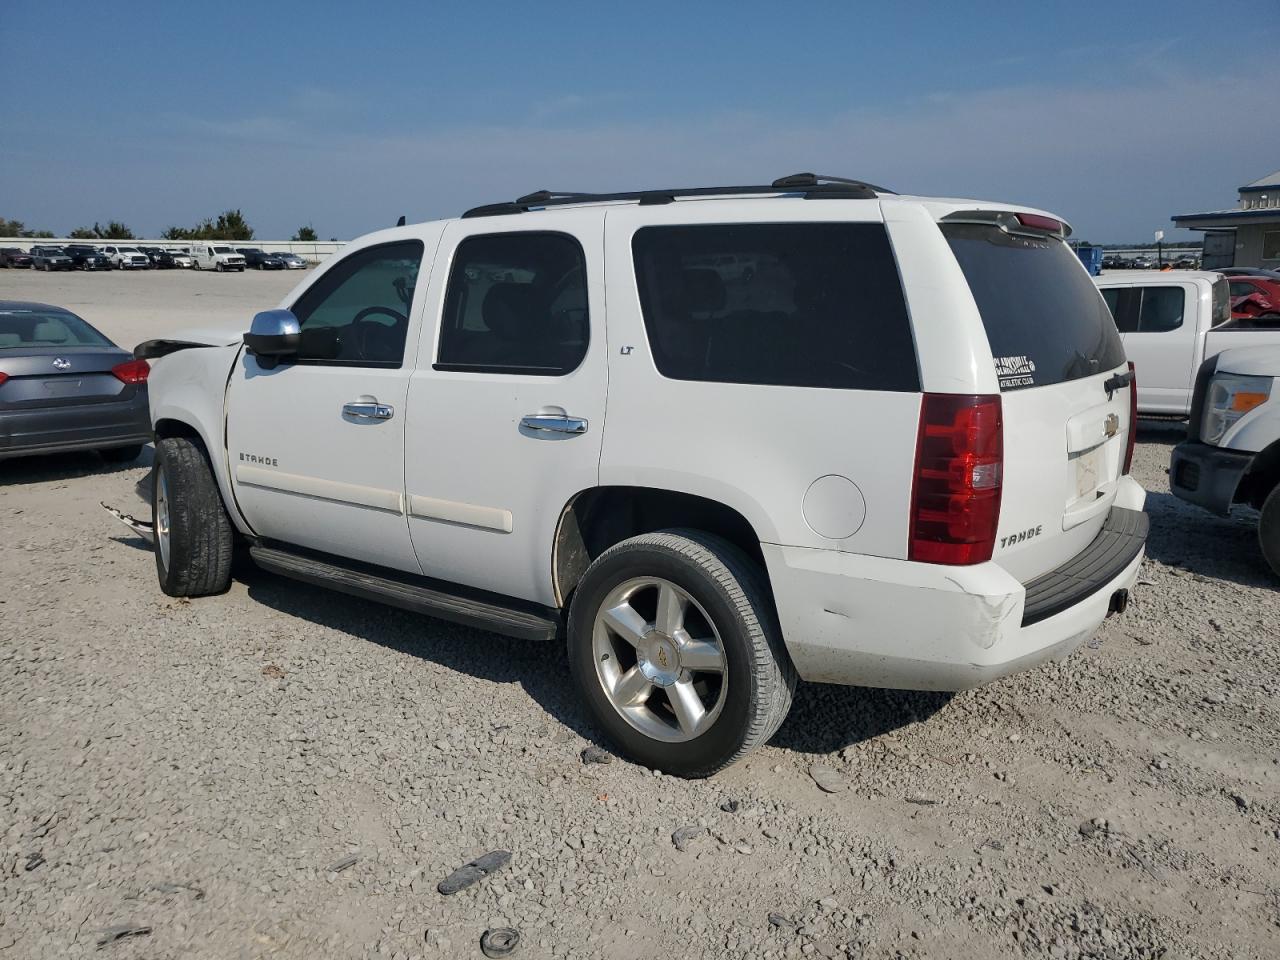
{"type": "Point", "coordinates": [789, 304]}
{"type": "Point", "coordinates": [1045, 319]}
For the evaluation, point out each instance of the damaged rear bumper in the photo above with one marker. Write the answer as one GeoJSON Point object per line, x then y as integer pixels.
{"type": "Point", "coordinates": [872, 622]}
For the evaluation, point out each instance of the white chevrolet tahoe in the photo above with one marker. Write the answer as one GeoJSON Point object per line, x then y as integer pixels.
{"type": "Point", "coordinates": [1232, 451]}
{"type": "Point", "coordinates": [895, 452]}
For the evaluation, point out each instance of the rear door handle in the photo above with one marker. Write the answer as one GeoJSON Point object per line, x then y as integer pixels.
{"type": "Point", "coordinates": [368, 408]}
{"type": "Point", "coordinates": [554, 423]}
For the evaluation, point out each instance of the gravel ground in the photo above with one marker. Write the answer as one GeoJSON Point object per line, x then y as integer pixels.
{"type": "Point", "coordinates": [282, 772]}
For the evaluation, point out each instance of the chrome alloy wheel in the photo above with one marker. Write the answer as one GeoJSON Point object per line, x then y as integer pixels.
{"type": "Point", "coordinates": [162, 518]}
{"type": "Point", "coordinates": [659, 659]}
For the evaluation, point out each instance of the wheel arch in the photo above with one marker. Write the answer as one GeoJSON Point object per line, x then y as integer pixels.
{"type": "Point", "coordinates": [1262, 477]}
{"type": "Point", "coordinates": [596, 518]}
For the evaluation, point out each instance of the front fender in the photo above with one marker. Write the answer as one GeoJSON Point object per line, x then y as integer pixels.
{"type": "Point", "coordinates": [189, 388]}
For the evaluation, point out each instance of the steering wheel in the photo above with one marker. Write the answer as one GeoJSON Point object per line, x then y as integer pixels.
{"type": "Point", "coordinates": [360, 329]}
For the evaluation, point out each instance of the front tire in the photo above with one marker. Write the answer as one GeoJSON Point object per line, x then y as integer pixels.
{"type": "Point", "coordinates": [675, 647]}
{"type": "Point", "coordinates": [193, 536]}
{"type": "Point", "coordinates": [1269, 530]}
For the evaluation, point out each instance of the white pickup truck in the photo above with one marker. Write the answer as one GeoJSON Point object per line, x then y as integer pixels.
{"type": "Point", "coordinates": [1171, 322]}
{"type": "Point", "coordinates": [1232, 451]}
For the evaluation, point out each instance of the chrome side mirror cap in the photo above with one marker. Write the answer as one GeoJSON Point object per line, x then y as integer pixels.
{"type": "Point", "coordinates": [273, 334]}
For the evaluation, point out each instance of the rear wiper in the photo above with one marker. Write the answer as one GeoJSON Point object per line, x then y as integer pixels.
{"type": "Point", "coordinates": [1117, 381]}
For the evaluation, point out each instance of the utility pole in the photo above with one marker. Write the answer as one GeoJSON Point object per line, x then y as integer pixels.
{"type": "Point", "coordinates": [1159, 248]}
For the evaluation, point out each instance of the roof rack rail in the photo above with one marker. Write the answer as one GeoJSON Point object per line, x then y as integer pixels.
{"type": "Point", "coordinates": [811, 186]}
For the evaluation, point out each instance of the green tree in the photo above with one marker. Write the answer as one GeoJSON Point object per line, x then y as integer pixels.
{"type": "Point", "coordinates": [114, 230]}
{"type": "Point", "coordinates": [16, 228]}
{"type": "Point", "coordinates": [230, 225]}
{"type": "Point", "coordinates": [306, 234]}
{"type": "Point", "coordinates": [83, 233]}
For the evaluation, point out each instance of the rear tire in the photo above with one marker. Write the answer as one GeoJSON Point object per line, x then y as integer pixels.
{"type": "Point", "coordinates": [692, 720]}
{"type": "Point", "coordinates": [122, 454]}
{"type": "Point", "coordinates": [193, 538]}
{"type": "Point", "coordinates": [1269, 530]}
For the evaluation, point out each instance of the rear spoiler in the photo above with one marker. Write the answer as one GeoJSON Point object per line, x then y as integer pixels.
{"type": "Point", "coordinates": [1021, 224]}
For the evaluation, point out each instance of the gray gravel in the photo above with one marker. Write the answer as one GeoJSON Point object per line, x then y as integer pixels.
{"type": "Point", "coordinates": [282, 772]}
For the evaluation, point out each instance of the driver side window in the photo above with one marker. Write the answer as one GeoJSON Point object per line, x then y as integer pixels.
{"type": "Point", "coordinates": [357, 314]}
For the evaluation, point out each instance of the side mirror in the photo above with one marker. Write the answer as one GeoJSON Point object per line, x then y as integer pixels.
{"type": "Point", "coordinates": [272, 335]}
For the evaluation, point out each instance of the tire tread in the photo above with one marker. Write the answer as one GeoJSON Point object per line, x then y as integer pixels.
{"type": "Point", "coordinates": [201, 539]}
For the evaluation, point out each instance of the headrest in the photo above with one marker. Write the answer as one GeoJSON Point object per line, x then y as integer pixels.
{"type": "Point", "coordinates": [50, 331]}
{"type": "Point", "coordinates": [506, 309]}
{"type": "Point", "coordinates": [703, 291]}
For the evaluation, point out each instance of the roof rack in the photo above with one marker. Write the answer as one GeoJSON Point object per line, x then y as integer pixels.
{"type": "Point", "coordinates": [810, 186]}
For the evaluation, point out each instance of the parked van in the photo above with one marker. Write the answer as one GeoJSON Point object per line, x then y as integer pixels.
{"type": "Point", "coordinates": [1171, 322]}
{"type": "Point", "coordinates": [217, 256]}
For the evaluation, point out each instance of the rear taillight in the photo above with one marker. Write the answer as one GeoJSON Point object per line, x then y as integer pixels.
{"type": "Point", "coordinates": [1133, 419]}
{"type": "Point", "coordinates": [3, 378]}
{"type": "Point", "coordinates": [132, 371]}
{"type": "Point", "coordinates": [955, 494]}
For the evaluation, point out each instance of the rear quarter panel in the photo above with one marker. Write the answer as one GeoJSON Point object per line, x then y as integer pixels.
{"type": "Point", "coordinates": [757, 449]}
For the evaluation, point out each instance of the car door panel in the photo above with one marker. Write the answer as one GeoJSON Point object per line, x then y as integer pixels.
{"type": "Point", "coordinates": [305, 468]}
{"type": "Point", "coordinates": [1163, 359]}
{"type": "Point", "coordinates": [494, 454]}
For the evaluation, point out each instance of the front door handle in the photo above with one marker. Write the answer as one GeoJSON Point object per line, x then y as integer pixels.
{"type": "Point", "coordinates": [368, 408]}
{"type": "Point", "coordinates": [554, 423]}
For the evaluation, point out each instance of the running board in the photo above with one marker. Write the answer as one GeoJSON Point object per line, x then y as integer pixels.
{"type": "Point", "coordinates": [519, 619]}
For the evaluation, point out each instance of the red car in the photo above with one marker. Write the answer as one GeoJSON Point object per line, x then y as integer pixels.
{"type": "Point", "coordinates": [1255, 299]}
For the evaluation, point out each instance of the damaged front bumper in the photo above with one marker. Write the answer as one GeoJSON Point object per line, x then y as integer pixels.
{"type": "Point", "coordinates": [143, 528]}
{"type": "Point", "coordinates": [146, 529]}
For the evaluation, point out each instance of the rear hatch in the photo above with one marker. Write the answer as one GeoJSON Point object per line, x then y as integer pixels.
{"type": "Point", "coordinates": [1057, 355]}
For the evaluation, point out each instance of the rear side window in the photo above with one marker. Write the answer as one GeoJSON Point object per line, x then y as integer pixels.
{"type": "Point", "coordinates": [788, 304]}
{"type": "Point", "coordinates": [1146, 309]}
{"type": "Point", "coordinates": [517, 304]}
{"type": "Point", "coordinates": [1044, 317]}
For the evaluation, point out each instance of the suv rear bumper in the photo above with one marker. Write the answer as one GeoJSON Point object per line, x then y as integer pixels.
{"type": "Point", "coordinates": [1207, 476]}
{"type": "Point", "coordinates": [873, 622]}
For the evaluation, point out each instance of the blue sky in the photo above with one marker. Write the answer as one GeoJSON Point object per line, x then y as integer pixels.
{"type": "Point", "coordinates": [347, 115]}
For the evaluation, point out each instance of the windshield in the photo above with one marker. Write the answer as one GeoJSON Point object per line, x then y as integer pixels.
{"type": "Point", "coordinates": [1045, 320]}
{"type": "Point", "coordinates": [128, 249]}
{"type": "Point", "coordinates": [223, 250]}
{"type": "Point", "coordinates": [46, 328]}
